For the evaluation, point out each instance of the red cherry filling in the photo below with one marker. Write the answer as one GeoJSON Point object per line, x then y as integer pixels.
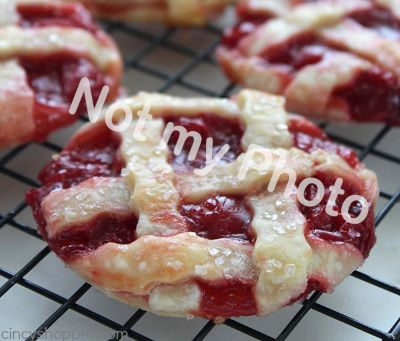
{"type": "Point", "coordinates": [54, 81]}
{"type": "Point", "coordinates": [91, 154]}
{"type": "Point", "coordinates": [222, 131]}
{"type": "Point", "coordinates": [255, 17]}
{"type": "Point", "coordinates": [309, 138]}
{"type": "Point", "coordinates": [298, 52]}
{"type": "Point", "coordinates": [321, 225]}
{"type": "Point", "coordinates": [226, 299]}
{"type": "Point", "coordinates": [220, 217]}
{"type": "Point", "coordinates": [85, 238]}
{"type": "Point", "coordinates": [233, 35]}
{"type": "Point", "coordinates": [67, 15]}
{"type": "Point", "coordinates": [372, 95]}
{"type": "Point", "coordinates": [380, 19]}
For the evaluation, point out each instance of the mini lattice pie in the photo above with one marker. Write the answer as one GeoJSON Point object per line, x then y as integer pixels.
{"type": "Point", "coordinates": [46, 48]}
{"type": "Point", "coordinates": [176, 234]}
{"type": "Point", "coordinates": [334, 59]}
{"type": "Point", "coordinates": [173, 12]}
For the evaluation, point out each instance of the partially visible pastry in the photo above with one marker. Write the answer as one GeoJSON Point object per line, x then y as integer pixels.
{"type": "Point", "coordinates": [173, 12]}
{"type": "Point", "coordinates": [46, 48]}
{"type": "Point", "coordinates": [331, 59]}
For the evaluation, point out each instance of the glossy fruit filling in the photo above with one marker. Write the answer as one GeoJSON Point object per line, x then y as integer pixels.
{"type": "Point", "coordinates": [309, 138]}
{"type": "Point", "coordinates": [232, 36]}
{"type": "Point", "coordinates": [325, 227]}
{"type": "Point", "coordinates": [55, 79]}
{"type": "Point", "coordinates": [220, 217]}
{"type": "Point", "coordinates": [222, 131]}
{"type": "Point", "coordinates": [92, 154]}
{"type": "Point", "coordinates": [247, 14]}
{"type": "Point", "coordinates": [373, 95]}
{"type": "Point", "coordinates": [85, 238]}
{"type": "Point", "coordinates": [227, 299]}
{"type": "Point", "coordinates": [44, 15]}
{"type": "Point", "coordinates": [298, 52]}
{"type": "Point", "coordinates": [380, 19]}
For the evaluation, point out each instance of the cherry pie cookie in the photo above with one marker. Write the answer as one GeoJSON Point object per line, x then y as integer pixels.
{"type": "Point", "coordinates": [46, 48]}
{"type": "Point", "coordinates": [335, 59]}
{"type": "Point", "coordinates": [174, 12]}
{"type": "Point", "coordinates": [150, 226]}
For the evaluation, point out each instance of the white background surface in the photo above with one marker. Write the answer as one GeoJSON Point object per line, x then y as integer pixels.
{"type": "Point", "coordinates": [23, 309]}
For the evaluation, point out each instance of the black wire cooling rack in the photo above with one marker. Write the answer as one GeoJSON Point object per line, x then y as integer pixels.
{"type": "Point", "coordinates": [195, 56]}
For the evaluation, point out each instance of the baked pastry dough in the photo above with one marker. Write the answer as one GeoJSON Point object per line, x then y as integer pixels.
{"type": "Point", "coordinates": [46, 48]}
{"type": "Point", "coordinates": [335, 59]}
{"type": "Point", "coordinates": [174, 12]}
{"type": "Point", "coordinates": [151, 227]}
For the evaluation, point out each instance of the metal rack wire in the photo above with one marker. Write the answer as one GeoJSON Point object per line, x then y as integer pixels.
{"type": "Point", "coordinates": [163, 39]}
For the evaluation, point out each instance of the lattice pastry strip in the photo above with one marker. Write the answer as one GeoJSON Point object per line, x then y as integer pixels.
{"type": "Point", "coordinates": [152, 179]}
{"type": "Point", "coordinates": [281, 252]}
{"type": "Point", "coordinates": [331, 44]}
{"type": "Point", "coordinates": [215, 245]}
